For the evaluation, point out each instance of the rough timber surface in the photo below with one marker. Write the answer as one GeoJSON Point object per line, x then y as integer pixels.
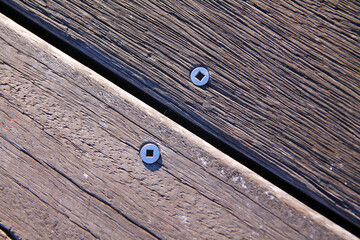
{"type": "Point", "coordinates": [70, 168]}
{"type": "Point", "coordinates": [285, 76]}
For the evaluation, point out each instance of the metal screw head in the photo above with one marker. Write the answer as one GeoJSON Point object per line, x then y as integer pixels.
{"type": "Point", "coordinates": [199, 76]}
{"type": "Point", "coordinates": [150, 153]}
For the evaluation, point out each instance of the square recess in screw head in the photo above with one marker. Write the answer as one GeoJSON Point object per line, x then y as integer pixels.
{"type": "Point", "coordinates": [149, 153]}
{"type": "Point", "coordinates": [200, 76]}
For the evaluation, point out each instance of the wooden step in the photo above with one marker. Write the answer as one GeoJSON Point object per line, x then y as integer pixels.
{"type": "Point", "coordinates": [70, 165]}
{"type": "Point", "coordinates": [285, 76]}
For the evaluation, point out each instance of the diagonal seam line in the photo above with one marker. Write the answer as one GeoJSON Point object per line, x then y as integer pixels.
{"type": "Point", "coordinates": [27, 189]}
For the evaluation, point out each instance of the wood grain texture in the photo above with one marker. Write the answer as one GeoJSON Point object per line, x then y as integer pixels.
{"type": "Point", "coordinates": [69, 165]}
{"type": "Point", "coordinates": [285, 76]}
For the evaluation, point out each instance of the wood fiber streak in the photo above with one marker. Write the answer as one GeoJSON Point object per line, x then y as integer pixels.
{"type": "Point", "coordinates": [285, 76]}
{"type": "Point", "coordinates": [69, 163]}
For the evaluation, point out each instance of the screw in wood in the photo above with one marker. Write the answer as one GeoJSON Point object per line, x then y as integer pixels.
{"type": "Point", "coordinates": [200, 76]}
{"type": "Point", "coordinates": [150, 153]}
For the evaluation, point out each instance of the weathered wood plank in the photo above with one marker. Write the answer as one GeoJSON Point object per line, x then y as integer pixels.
{"type": "Point", "coordinates": [285, 76]}
{"type": "Point", "coordinates": [69, 163]}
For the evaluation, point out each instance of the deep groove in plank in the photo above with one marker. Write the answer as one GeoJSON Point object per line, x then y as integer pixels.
{"type": "Point", "coordinates": [178, 118]}
{"type": "Point", "coordinates": [81, 188]}
{"type": "Point", "coordinates": [27, 189]}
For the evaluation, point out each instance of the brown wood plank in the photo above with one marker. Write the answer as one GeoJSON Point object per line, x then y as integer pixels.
{"type": "Point", "coordinates": [69, 163]}
{"type": "Point", "coordinates": [285, 76]}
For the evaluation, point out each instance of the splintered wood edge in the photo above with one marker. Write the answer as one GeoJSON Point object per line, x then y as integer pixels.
{"type": "Point", "coordinates": [225, 159]}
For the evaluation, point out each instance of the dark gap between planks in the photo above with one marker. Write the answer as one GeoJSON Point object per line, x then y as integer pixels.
{"type": "Point", "coordinates": [111, 75]}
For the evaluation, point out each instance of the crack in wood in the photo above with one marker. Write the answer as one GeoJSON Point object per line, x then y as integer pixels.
{"type": "Point", "coordinates": [79, 187]}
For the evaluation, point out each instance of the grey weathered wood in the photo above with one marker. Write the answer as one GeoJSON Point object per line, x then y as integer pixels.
{"type": "Point", "coordinates": [285, 76]}
{"type": "Point", "coordinates": [70, 168]}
